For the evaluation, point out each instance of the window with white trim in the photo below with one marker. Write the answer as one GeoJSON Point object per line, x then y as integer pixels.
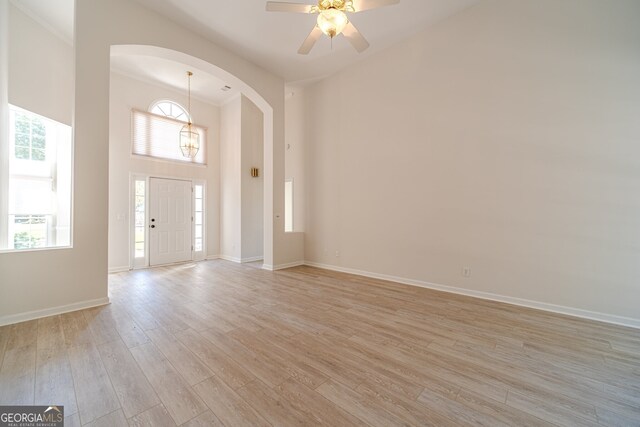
{"type": "Point", "coordinates": [139, 212]}
{"type": "Point", "coordinates": [40, 167]}
{"type": "Point", "coordinates": [198, 218]}
{"type": "Point", "coordinates": [288, 205]}
{"type": "Point", "coordinates": [156, 133]}
{"type": "Point", "coordinates": [170, 109]}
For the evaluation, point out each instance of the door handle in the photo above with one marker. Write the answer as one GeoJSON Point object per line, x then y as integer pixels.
{"type": "Point", "coordinates": [152, 226]}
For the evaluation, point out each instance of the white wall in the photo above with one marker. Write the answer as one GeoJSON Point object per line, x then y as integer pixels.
{"type": "Point", "coordinates": [4, 126]}
{"type": "Point", "coordinates": [295, 122]}
{"type": "Point", "coordinates": [125, 94]}
{"type": "Point", "coordinates": [242, 197]}
{"type": "Point", "coordinates": [504, 139]}
{"type": "Point", "coordinates": [42, 282]}
{"type": "Point", "coordinates": [40, 69]}
{"type": "Point", "coordinates": [231, 183]}
{"type": "Point", "coordinates": [252, 188]}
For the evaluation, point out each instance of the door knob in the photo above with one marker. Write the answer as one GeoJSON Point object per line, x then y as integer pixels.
{"type": "Point", "coordinates": [153, 226]}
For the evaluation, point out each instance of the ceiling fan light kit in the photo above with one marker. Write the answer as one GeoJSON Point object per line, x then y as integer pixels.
{"type": "Point", "coordinates": [332, 19]}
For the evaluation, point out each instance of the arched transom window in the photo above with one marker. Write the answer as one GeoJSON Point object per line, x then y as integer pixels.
{"type": "Point", "coordinates": [170, 109]}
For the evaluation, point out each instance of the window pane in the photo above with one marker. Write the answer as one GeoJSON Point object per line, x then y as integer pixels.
{"type": "Point", "coordinates": [22, 139]}
{"type": "Point", "coordinates": [38, 155]}
{"type": "Point", "coordinates": [198, 205]}
{"type": "Point", "coordinates": [29, 231]}
{"type": "Point", "coordinates": [38, 141]}
{"type": "Point", "coordinates": [37, 128]}
{"type": "Point", "coordinates": [139, 219]}
{"type": "Point", "coordinates": [198, 191]}
{"type": "Point", "coordinates": [198, 218]}
{"type": "Point", "coordinates": [198, 245]}
{"type": "Point", "coordinates": [140, 188]}
{"type": "Point", "coordinates": [23, 124]}
{"type": "Point", "coordinates": [139, 234]}
{"type": "Point", "coordinates": [139, 204]}
{"type": "Point", "coordinates": [139, 252]}
{"type": "Point", "coordinates": [198, 231]}
{"type": "Point", "coordinates": [22, 153]}
{"type": "Point", "coordinates": [170, 109]}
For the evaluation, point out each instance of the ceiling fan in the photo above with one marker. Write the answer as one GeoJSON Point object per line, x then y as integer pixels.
{"type": "Point", "coordinates": [332, 19]}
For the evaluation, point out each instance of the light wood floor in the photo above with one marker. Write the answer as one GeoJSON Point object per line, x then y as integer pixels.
{"type": "Point", "coordinates": [217, 343]}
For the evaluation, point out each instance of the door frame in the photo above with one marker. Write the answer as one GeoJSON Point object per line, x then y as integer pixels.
{"type": "Point", "coordinates": [140, 263]}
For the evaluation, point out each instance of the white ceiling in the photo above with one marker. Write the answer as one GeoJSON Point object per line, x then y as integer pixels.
{"type": "Point", "coordinates": [173, 75]}
{"type": "Point", "coordinates": [272, 39]}
{"type": "Point", "coordinates": [55, 15]}
{"type": "Point", "coordinates": [268, 39]}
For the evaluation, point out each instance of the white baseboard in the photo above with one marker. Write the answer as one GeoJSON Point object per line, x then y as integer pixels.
{"type": "Point", "coordinates": [254, 259]}
{"type": "Point", "coordinates": [118, 269]}
{"type": "Point", "coordinates": [212, 257]}
{"type": "Point", "coordinates": [230, 258]}
{"type": "Point", "coordinates": [37, 314]}
{"type": "Point", "coordinates": [282, 266]}
{"type": "Point", "coordinates": [559, 309]}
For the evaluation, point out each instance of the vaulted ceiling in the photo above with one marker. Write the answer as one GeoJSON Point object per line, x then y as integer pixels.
{"type": "Point", "coordinates": [271, 39]}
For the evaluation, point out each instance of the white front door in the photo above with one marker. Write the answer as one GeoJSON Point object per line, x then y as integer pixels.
{"type": "Point", "coordinates": [169, 221]}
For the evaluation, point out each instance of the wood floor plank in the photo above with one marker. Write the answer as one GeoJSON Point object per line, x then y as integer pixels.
{"type": "Point", "coordinates": [207, 419]}
{"type": "Point", "coordinates": [315, 407]}
{"type": "Point", "coordinates": [131, 386]}
{"type": "Point", "coordinates": [227, 405]}
{"type": "Point", "coordinates": [4, 338]}
{"type": "Point", "coordinates": [101, 325]}
{"type": "Point", "coordinates": [433, 401]}
{"type": "Point", "coordinates": [54, 380]}
{"type": "Point", "coordinates": [300, 371]}
{"type": "Point", "coordinates": [265, 369]}
{"type": "Point", "coordinates": [192, 369]}
{"type": "Point", "coordinates": [356, 404]}
{"type": "Point", "coordinates": [50, 333]}
{"type": "Point", "coordinates": [407, 410]}
{"type": "Point", "coordinates": [130, 332]}
{"type": "Point", "coordinates": [548, 411]}
{"type": "Point", "coordinates": [158, 416]}
{"type": "Point", "coordinates": [72, 421]}
{"type": "Point", "coordinates": [22, 335]}
{"type": "Point", "coordinates": [270, 405]}
{"type": "Point", "coordinates": [94, 393]}
{"type": "Point", "coordinates": [114, 419]}
{"type": "Point", "coordinates": [75, 329]}
{"type": "Point", "coordinates": [215, 359]}
{"type": "Point", "coordinates": [500, 411]}
{"type": "Point", "coordinates": [17, 375]}
{"type": "Point", "coordinates": [176, 395]}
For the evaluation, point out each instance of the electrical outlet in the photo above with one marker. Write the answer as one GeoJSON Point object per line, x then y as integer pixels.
{"type": "Point", "coordinates": [466, 271]}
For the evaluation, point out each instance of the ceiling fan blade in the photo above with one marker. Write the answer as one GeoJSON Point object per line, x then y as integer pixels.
{"type": "Point", "coordinates": [279, 6]}
{"type": "Point", "coordinates": [310, 41]}
{"type": "Point", "coordinates": [356, 39]}
{"type": "Point", "coordinates": [362, 5]}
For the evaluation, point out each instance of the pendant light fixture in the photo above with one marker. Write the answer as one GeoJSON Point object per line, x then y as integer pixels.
{"type": "Point", "coordinates": [189, 139]}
